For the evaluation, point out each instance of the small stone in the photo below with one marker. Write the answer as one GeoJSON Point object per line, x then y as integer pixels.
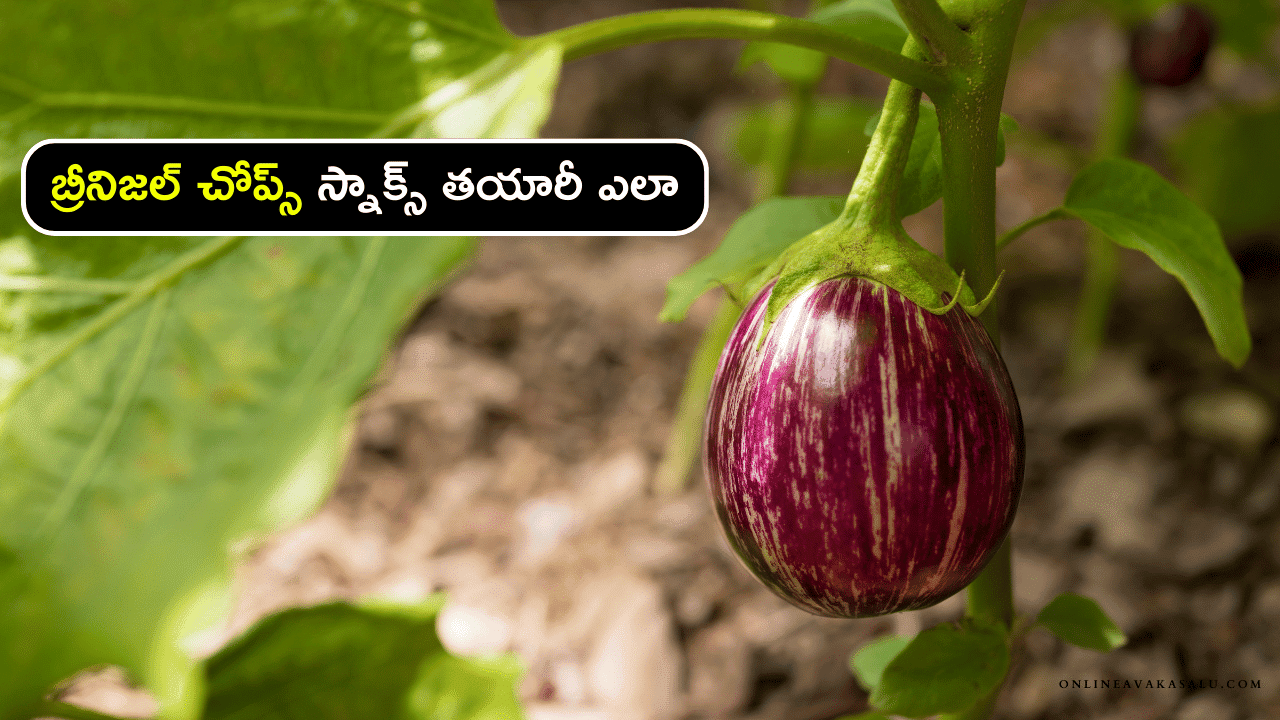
{"type": "Point", "coordinates": [545, 522]}
{"type": "Point", "coordinates": [470, 630]}
{"type": "Point", "coordinates": [1116, 389]}
{"type": "Point", "coordinates": [1229, 415]}
{"type": "Point", "coordinates": [719, 671]}
{"type": "Point", "coordinates": [381, 429]}
{"type": "Point", "coordinates": [1209, 540]}
{"type": "Point", "coordinates": [570, 682]}
{"type": "Point", "coordinates": [1266, 601]}
{"type": "Point", "coordinates": [1037, 579]}
{"type": "Point", "coordinates": [681, 513]}
{"type": "Point", "coordinates": [614, 483]}
{"type": "Point", "coordinates": [1215, 604]}
{"type": "Point", "coordinates": [1113, 495]}
{"type": "Point", "coordinates": [635, 664]}
{"type": "Point", "coordinates": [1262, 497]}
{"type": "Point", "coordinates": [1206, 706]}
{"type": "Point", "coordinates": [1032, 694]}
{"type": "Point", "coordinates": [656, 553]}
{"type": "Point", "coordinates": [1109, 584]}
{"type": "Point", "coordinates": [765, 618]}
{"type": "Point", "coordinates": [697, 599]}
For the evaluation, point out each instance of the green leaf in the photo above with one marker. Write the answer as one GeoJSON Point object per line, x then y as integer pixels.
{"type": "Point", "coordinates": [1229, 161]}
{"type": "Point", "coordinates": [833, 137]}
{"type": "Point", "coordinates": [869, 662]}
{"type": "Point", "coordinates": [454, 688]}
{"type": "Point", "coordinates": [944, 669]}
{"type": "Point", "coordinates": [262, 68]}
{"type": "Point", "coordinates": [873, 21]}
{"type": "Point", "coordinates": [1081, 622]}
{"type": "Point", "coordinates": [338, 661]}
{"type": "Point", "coordinates": [507, 97]}
{"type": "Point", "coordinates": [197, 394]}
{"type": "Point", "coordinates": [868, 715]}
{"type": "Point", "coordinates": [754, 240]}
{"type": "Point", "coordinates": [1140, 210]}
{"type": "Point", "coordinates": [145, 435]}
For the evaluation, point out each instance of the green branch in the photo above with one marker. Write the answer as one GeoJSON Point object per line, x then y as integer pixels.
{"type": "Point", "coordinates": [1016, 232]}
{"type": "Point", "coordinates": [945, 41]}
{"type": "Point", "coordinates": [624, 30]}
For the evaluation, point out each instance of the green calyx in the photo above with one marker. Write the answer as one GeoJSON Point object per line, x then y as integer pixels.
{"type": "Point", "coordinates": [885, 255]}
{"type": "Point", "coordinates": [867, 239]}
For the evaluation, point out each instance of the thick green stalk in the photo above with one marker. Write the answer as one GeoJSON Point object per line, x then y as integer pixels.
{"type": "Point", "coordinates": [938, 33]}
{"type": "Point", "coordinates": [1102, 268]}
{"type": "Point", "coordinates": [660, 25]}
{"type": "Point", "coordinates": [968, 120]}
{"type": "Point", "coordinates": [874, 195]}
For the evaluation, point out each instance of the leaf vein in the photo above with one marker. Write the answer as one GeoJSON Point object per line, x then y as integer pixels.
{"type": "Point", "coordinates": [90, 462]}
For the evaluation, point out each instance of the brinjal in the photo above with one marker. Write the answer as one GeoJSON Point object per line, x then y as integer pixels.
{"type": "Point", "coordinates": [865, 455]}
{"type": "Point", "coordinates": [1170, 49]}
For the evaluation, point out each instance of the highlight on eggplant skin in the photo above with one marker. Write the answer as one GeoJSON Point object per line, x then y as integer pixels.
{"type": "Point", "coordinates": [867, 457]}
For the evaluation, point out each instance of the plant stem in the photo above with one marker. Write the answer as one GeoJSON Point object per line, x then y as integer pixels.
{"type": "Point", "coordinates": [968, 120]}
{"type": "Point", "coordinates": [1016, 232]}
{"type": "Point", "coordinates": [1119, 121]}
{"type": "Point", "coordinates": [621, 31]}
{"type": "Point", "coordinates": [875, 191]}
{"type": "Point", "coordinates": [945, 41]}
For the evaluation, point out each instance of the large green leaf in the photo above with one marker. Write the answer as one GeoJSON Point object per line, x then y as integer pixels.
{"type": "Point", "coordinates": [339, 661]}
{"type": "Point", "coordinates": [262, 68]}
{"type": "Point", "coordinates": [869, 662]}
{"type": "Point", "coordinates": [1229, 161]}
{"type": "Point", "coordinates": [165, 399]}
{"type": "Point", "coordinates": [754, 240]}
{"type": "Point", "coordinates": [944, 669]}
{"type": "Point", "coordinates": [145, 435]}
{"type": "Point", "coordinates": [1138, 209]}
{"type": "Point", "coordinates": [1080, 621]}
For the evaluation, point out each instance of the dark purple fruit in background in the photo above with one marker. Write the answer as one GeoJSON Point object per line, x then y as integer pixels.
{"type": "Point", "coordinates": [1170, 48]}
{"type": "Point", "coordinates": [867, 457]}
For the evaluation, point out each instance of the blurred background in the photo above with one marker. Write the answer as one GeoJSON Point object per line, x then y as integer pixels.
{"type": "Point", "coordinates": [507, 453]}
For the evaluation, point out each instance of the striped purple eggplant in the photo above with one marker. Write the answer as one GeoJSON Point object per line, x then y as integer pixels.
{"type": "Point", "coordinates": [866, 458]}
